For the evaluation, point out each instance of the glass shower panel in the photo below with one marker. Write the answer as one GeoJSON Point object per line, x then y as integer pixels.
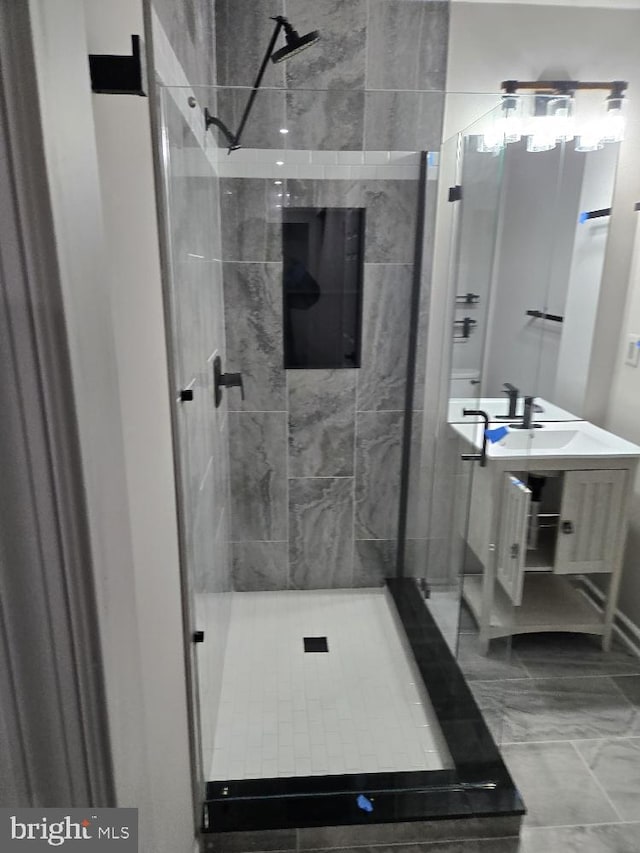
{"type": "Point", "coordinates": [195, 330]}
{"type": "Point", "coordinates": [308, 662]}
{"type": "Point", "coordinates": [475, 501]}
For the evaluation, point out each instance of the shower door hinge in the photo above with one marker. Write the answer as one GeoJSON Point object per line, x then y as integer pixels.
{"type": "Point", "coordinates": [119, 75]}
{"type": "Point", "coordinates": [455, 193]}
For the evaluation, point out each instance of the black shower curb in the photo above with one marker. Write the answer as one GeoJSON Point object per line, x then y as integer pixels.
{"type": "Point", "coordinates": [479, 786]}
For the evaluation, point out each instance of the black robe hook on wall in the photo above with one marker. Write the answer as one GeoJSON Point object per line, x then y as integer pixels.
{"type": "Point", "coordinates": [119, 75]}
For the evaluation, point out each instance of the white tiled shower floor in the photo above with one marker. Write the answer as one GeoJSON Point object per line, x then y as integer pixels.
{"type": "Point", "coordinates": [358, 708]}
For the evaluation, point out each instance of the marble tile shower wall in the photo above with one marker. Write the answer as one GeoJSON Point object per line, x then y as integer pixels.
{"type": "Point", "coordinates": [375, 81]}
{"type": "Point", "coordinates": [198, 334]}
{"type": "Point", "coordinates": [315, 454]}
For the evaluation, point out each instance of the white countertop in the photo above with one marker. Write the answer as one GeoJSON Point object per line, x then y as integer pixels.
{"type": "Point", "coordinates": [557, 440]}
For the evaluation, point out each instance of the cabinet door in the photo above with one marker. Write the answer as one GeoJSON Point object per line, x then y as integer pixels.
{"type": "Point", "coordinates": [512, 543]}
{"type": "Point", "coordinates": [589, 521]}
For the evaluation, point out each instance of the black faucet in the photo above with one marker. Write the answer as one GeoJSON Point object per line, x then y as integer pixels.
{"type": "Point", "coordinates": [512, 392]}
{"type": "Point", "coordinates": [527, 416]}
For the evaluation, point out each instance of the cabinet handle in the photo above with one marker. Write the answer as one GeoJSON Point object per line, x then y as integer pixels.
{"type": "Point", "coordinates": [567, 527]}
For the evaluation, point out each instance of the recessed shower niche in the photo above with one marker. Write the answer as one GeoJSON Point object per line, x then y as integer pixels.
{"type": "Point", "coordinates": [323, 260]}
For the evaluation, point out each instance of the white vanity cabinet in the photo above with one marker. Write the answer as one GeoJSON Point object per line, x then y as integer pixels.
{"type": "Point", "coordinates": [518, 589]}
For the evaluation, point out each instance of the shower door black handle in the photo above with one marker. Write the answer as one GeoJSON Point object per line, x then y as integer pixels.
{"type": "Point", "coordinates": [225, 380]}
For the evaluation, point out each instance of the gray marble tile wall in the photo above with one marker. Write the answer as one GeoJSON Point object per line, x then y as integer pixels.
{"type": "Point", "coordinates": [374, 81]}
{"type": "Point", "coordinates": [322, 474]}
{"type": "Point", "coordinates": [315, 454]}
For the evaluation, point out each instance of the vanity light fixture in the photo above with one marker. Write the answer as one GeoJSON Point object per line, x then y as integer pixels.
{"type": "Point", "coordinates": [557, 116]}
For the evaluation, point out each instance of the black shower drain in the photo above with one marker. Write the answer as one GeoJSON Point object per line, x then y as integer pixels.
{"type": "Point", "coordinates": [316, 644]}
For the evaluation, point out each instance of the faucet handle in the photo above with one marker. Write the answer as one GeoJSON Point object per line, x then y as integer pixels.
{"type": "Point", "coordinates": [510, 389]}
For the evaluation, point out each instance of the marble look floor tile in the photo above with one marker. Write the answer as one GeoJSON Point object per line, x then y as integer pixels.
{"type": "Point", "coordinates": [582, 839]}
{"type": "Point", "coordinates": [630, 686]}
{"type": "Point", "coordinates": [330, 120]}
{"type": "Point", "coordinates": [423, 836]}
{"type": "Point", "coordinates": [253, 316]}
{"type": "Point", "coordinates": [385, 331]}
{"type": "Point", "coordinates": [338, 61]}
{"type": "Point", "coordinates": [374, 561]}
{"type": "Point", "coordinates": [263, 841]}
{"type": "Point", "coordinates": [321, 533]}
{"type": "Point", "coordinates": [258, 566]}
{"type": "Point", "coordinates": [616, 766]}
{"type": "Point", "coordinates": [258, 474]}
{"type": "Point", "coordinates": [549, 709]}
{"type": "Point", "coordinates": [552, 655]}
{"type": "Point", "coordinates": [557, 788]}
{"type": "Point", "coordinates": [401, 28]}
{"type": "Point", "coordinates": [501, 662]}
{"type": "Point", "coordinates": [321, 422]}
{"type": "Point", "coordinates": [378, 455]}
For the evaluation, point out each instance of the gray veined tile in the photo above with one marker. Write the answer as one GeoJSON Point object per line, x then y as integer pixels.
{"type": "Point", "coordinates": [321, 422]}
{"type": "Point", "coordinates": [386, 318]}
{"type": "Point", "coordinates": [630, 686]}
{"type": "Point", "coordinates": [258, 450]}
{"type": "Point", "coordinates": [399, 29]}
{"type": "Point", "coordinates": [378, 458]}
{"type": "Point", "coordinates": [554, 655]}
{"type": "Point", "coordinates": [338, 60]}
{"type": "Point", "coordinates": [403, 121]}
{"type": "Point", "coordinates": [253, 313]}
{"type": "Point", "coordinates": [501, 662]}
{"type": "Point", "coordinates": [251, 225]}
{"type": "Point", "coordinates": [189, 26]}
{"type": "Point", "coordinates": [243, 30]}
{"type": "Point", "coordinates": [260, 566]}
{"type": "Point", "coordinates": [557, 788]}
{"type": "Point", "coordinates": [321, 533]}
{"type": "Point", "coordinates": [581, 839]}
{"type": "Point", "coordinates": [374, 562]}
{"type": "Point", "coordinates": [262, 129]}
{"type": "Point", "coordinates": [390, 229]}
{"type": "Point", "coordinates": [331, 120]}
{"type": "Point", "coordinates": [616, 766]}
{"type": "Point", "coordinates": [548, 709]}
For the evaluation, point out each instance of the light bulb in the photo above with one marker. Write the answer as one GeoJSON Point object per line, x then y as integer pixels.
{"type": "Point", "coordinates": [560, 114]}
{"type": "Point", "coordinates": [590, 137]}
{"type": "Point", "coordinates": [542, 134]}
{"type": "Point", "coordinates": [612, 129]}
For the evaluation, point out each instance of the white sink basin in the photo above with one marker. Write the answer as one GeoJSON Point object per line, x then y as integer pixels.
{"type": "Point", "coordinates": [568, 439]}
{"type": "Point", "coordinates": [538, 439]}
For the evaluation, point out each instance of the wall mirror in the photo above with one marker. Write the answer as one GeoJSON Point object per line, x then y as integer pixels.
{"type": "Point", "coordinates": [527, 259]}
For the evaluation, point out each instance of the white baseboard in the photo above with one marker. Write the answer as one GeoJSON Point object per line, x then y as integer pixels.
{"type": "Point", "coordinates": [624, 629]}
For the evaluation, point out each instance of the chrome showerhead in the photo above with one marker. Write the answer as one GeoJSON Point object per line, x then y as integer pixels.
{"type": "Point", "coordinates": [295, 42]}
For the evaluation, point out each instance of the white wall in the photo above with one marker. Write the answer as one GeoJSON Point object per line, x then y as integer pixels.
{"type": "Point", "coordinates": [492, 42]}
{"type": "Point", "coordinates": [108, 257]}
{"type": "Point", "coordinates": [123, 143]}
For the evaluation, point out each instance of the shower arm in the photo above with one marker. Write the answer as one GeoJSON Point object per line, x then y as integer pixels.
{"type": "Point", "coordinates": [234, 138]}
